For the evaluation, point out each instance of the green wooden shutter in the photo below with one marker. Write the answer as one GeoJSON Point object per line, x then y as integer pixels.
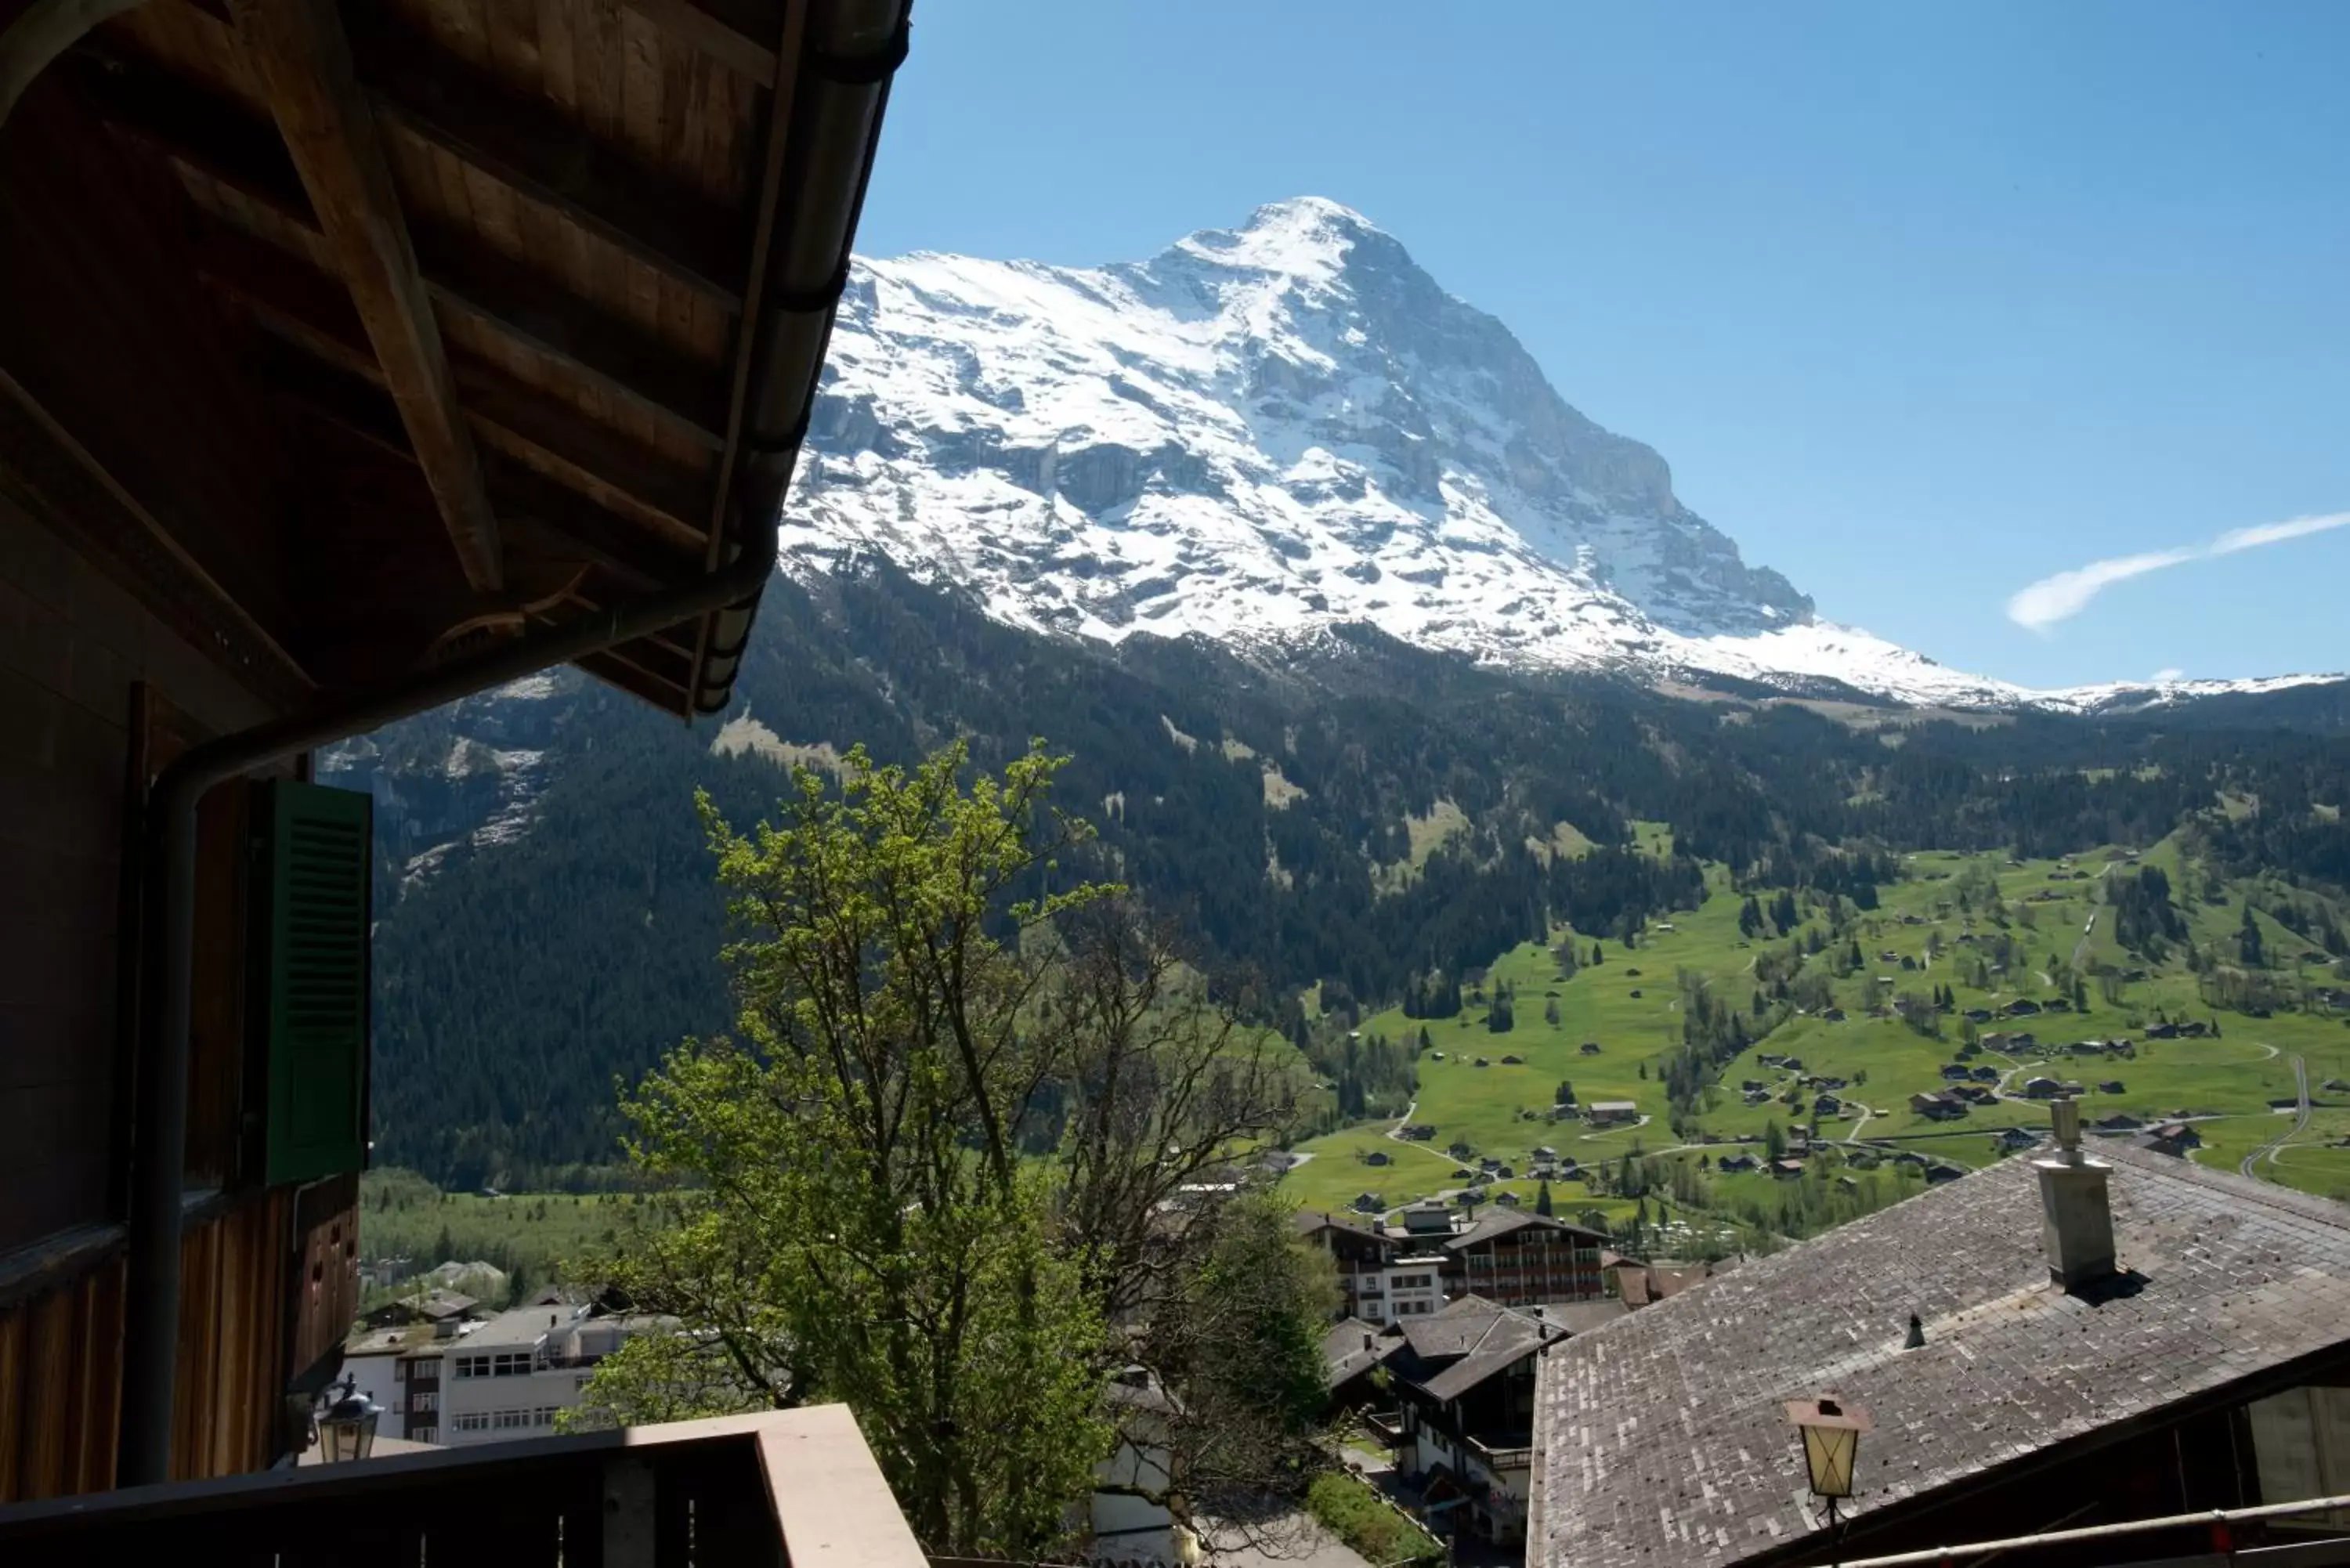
{"type": "Point", "coordinates": [310, 907]}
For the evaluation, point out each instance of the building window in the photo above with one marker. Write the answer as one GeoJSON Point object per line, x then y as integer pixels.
{"type": "Point", "coordinates": [471, 1421]}
{"type": "Point", "coordinates": [425, 1435]}
{"type": "Point", "coordinates": [424, 1400]}
{"type": "Point", "coordinates": [399, 1372]}
{"type": "Point", "coordinates": [511, 1364]}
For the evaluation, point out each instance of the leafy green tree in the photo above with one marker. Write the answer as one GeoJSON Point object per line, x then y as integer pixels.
{"type": "Point", "coordinates": [1542, 1199]}
{"type": "Point", "coordinates": [848, 1205]}
{"type": "Point", "coordinates": [2249, 945]}
{"type": "Point", "coordinates": [1774, 1142]}
{"type": "Point", "coordinates": [1564, 1093]}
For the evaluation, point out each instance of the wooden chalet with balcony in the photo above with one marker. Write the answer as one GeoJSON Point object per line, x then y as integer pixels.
{"type": "Point", "coordinates": [354, 358]}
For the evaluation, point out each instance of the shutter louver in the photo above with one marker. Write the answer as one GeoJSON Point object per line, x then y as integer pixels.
{"type": "Point", "coordinates": [314, 905]}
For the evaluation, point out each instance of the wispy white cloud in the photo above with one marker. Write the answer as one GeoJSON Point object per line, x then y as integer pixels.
{"type": "Point", "coordinates": [2170, 675]}
{"type": "Point", "coordinates": [2260, 534]}
{"type": "Point", "coordinates": [2063, 594]}
{"type": "Point", "coordinates": [2067, 594]}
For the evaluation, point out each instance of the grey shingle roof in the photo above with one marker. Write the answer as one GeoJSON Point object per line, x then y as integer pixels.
{"type": "Point", "coordinates": [1501, 1221]}
{"type": "Point", "coordinates": [1662, 1440]}
{"type": "Point", "coordinates": [1450, 1352]}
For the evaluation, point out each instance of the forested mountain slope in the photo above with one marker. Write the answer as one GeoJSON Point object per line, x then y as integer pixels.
{"type": "Point", "coordinates": [1356, 814]}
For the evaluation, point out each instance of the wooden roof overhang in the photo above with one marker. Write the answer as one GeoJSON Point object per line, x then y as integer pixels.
{"type": "Point", "coordinates": [353, 337]}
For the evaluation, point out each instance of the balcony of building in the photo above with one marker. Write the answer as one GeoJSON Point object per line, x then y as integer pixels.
{"type": "Point", "coordinates": [792, 1487]}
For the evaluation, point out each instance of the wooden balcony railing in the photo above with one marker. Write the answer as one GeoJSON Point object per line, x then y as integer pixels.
{"type": "Point", "coordinates": [790, 1488]}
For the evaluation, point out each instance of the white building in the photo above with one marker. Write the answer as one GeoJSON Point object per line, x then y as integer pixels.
{"type": "Point", "coordinates": [514, 1374]}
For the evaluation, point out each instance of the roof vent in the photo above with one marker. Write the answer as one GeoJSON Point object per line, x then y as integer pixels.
{"type": "Point", "coordinates": [2076, 1216]}
{"type": "Point", "coordinates": [1917, 1339]}
{"type": "Point", "coordinates": [1366, 1341]}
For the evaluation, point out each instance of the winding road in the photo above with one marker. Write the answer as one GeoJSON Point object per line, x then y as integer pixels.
{"type": "Point", "coordinates": [2268, 1150]}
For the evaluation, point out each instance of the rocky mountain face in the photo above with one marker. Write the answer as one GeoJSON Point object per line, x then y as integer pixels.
{"type": "Point", "coordinates": [1264, 432]}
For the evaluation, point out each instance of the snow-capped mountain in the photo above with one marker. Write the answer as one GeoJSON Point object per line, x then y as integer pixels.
{"type": "Point", "coordinates": [1268, 429]}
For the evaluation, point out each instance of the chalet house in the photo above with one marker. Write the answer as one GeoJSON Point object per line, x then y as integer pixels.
{"type": "Point", "coordinates": [1770, 1059]}
{"type": "Point", "coordinates": [1941, 1108]}
{"type": "Point", "coordinates": [1953, 1072]}
{"type": "Point", "coordinates": [2105, 1341]}
{"type": "Point", "coordinates": [2173, 1139]}
{"type": "Point", "coordinates": [445, 1309]}
{"type": "Point", "coordinates": [2042, 1088]}
{"type": "Point", "coordinates": [1377, 1156]}
{"type": "Point", "coordinates": [1978, 1015]}
{"type": "Point", "coordinates": [1984, 1074]}
{"type": "Point", "coordinates": [1589, 1048]}
{"type": "Point", "coordinates": [358, 359]}
{"type": "Point", "coordinates": [1793, 1063]}
{"type": "Point", "coordinates": [1941, 1170]}
{"type": "Point", "coordinates": [2021, 1007]}
{"type": "Point", "coordinates": [1523, 1260]}
{"type": "Point", "coordinates": [1610, 1113]}
{"type": "Point", "coordinates": [1466, 1380]}
{"type": "Point", "coordinates": [1787, 1169]}
{"type": "Point", "coordinates": [1827, 1106]}
{"type": "Point", "coordinates": [1735, 1162]}
{"type": "Point", "coordinates": [1750, 1085]}
{"type": "Point", "coordinates": [2164, 1031]}
{"type": "Point", "coordinates": [2111, 1086]}
{"type": "Point", "coordinates": [2014, 1138]}
{"type": "Point", "coordinates": [1757, 1096]}
{"type": "Point", "coordinates": [2118, 1123]}
{"type": "Point", "coordinates": [1833, 1015]}
{"type": "Point", "coordinates": [1973, 1093]}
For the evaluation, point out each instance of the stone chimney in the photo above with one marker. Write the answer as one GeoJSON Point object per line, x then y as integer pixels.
{"type": "Point", "coordinates": [2076, 1216]}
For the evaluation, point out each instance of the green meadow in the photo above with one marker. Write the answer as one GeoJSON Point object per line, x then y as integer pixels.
{"type": "Point", "coordinates": [1495, 1092]}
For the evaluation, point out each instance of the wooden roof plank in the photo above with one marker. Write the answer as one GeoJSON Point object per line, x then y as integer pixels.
{"type": "Point", "coordinates": [204, 132]}
{"type": "Point", "coordinates": [701, 29]}
{"type": "Point", "coordinates": [306, 308]}
{"type": "Point", "coordinates": [306, 61]}
{"type": "Point", "coordinates": [540, 153]}
{"type": "Point", "coordinates": [527, 501]}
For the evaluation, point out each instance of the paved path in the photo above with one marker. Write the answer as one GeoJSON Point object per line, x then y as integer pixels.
{"type": "Point", "coordinates": [2268, 1151]}
{"type": "Point", "coordinates": [1288, 1541]}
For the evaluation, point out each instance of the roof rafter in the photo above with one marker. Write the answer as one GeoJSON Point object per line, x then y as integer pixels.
{"type": "Point", "coordinates": [299, 303]}
{"type": "Point", "coordinates": [208, 133]}
{"type": "Point", "coordinates": [530, 148]}
{"type": "Point", "coordinates": [301, 53]}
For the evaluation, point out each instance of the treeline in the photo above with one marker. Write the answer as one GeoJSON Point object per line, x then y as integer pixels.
{"type": "Point", "coordinates": [1265, 807]}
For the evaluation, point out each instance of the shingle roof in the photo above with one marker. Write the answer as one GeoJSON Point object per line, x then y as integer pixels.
{"type": "Point", "coordinates": [1450, 1352]}
{"type": "Point", "coordinates": [1501, 1221]}
{"type": "Point", "coordinates": [1663, 1440]}
{"type": "Point", "coordinates": [1351, 1346]}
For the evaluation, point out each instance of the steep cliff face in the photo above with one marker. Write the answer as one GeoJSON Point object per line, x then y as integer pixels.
{"type": "Point", "coordinates": [1256, 431]}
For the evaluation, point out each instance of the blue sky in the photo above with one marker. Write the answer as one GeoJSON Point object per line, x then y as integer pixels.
{"type": "Point", "coordinates": [1923, 304]}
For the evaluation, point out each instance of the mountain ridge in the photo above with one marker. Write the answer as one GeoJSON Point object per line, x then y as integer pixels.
{"type": "Point", "coordinates": [1263, 431]}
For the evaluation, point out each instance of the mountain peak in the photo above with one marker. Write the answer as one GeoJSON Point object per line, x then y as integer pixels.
{"type": "Point", "coordinates": [1267, 431]}
{"type": "Point", "coordinates": [1303, 236]}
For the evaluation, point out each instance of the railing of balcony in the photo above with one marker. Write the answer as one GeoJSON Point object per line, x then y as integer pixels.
{"type": "Point", "coordinates": [749, 1491]}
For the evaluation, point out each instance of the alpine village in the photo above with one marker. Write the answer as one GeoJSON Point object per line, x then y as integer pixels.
{"type": "Point", "coordinates": [677, 897]}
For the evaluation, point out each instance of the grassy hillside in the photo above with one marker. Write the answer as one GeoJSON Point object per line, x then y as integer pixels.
{"type": "Point", "coordinates": [1495, 1091]}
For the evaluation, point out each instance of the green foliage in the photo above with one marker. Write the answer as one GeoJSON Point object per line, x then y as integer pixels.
{"type": "Point", "coordinates": [859, 1198]}
{"type": "Point", "coordinates": [1348, 1508]}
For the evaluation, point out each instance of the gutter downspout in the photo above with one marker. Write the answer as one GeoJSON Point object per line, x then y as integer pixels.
{"type": "Point", "coordinates": [152, 1294]}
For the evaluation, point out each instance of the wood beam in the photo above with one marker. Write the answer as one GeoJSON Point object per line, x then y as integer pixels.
{"type": "Point", "coordinates": [527, 503]}
{"type": "Point", "coordinates": [733, 43]}
{"type": "Point", "coordinates": [535, 151]}
{"type": "Point", "coordinates": [303, 55]}
{"type": "Point", "coordinates": [304, 305]}
{"type": "Point", "coordinates": [212, 135]}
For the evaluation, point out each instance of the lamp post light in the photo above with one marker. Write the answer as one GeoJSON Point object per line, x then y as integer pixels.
{"type": "Point", "coordinates": [1831, 1449]}
{"type": "Point", "coordinates": [346, 1430]}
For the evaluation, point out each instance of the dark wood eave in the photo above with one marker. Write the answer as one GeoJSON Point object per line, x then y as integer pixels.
{"type": "Point", "coordinates": [557, 300]}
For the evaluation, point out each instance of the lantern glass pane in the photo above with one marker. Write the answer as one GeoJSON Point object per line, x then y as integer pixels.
{"type": "Point", "coordinates": [1828, 1453]}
